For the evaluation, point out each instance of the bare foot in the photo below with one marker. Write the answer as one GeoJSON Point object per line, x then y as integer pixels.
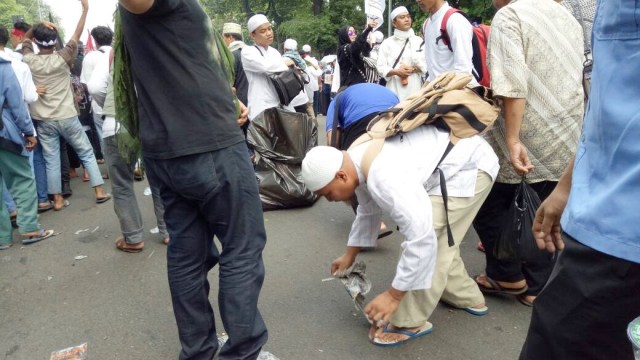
{"type": "Point", "coordinates": [58, 202]}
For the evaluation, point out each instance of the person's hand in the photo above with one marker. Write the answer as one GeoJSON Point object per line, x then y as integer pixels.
{"type": "Point", "coordinates": [30, 142]}
{"type": "Point", "coordinates": [546, 226]}
{"type": "Point", "coordinates": [49, 25]}
{"type": "Point", "coordinates": [244, 114]}
{"type": "Point", "coordinates": [379, 311]}
{"type": "Point", "coordinates": [289, 62]}
{"type": "Point", "coordinates": [405, 71]}
{"type": "Point", "coordinates": [519, 158]}
{"type": "Point", "coordinates": [41, 90]}
{"type": "Point", "coordinates": [341, 264]}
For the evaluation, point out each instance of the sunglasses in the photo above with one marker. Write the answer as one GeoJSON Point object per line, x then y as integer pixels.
{"type": "Point", "coordinates": [351, 33]}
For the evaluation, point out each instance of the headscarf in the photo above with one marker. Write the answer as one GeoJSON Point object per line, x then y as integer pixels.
{"type": "Point", "coordinates": [343, 36]}
{"type": "Point", "coordinates": [297, 59]}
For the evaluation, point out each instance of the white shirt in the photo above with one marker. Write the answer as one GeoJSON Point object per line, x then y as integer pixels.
{"type": "Point", "coordinates": [97, 87]}
{"type": "Point", "coordinates": [438, 56]}
{"type": "Point", "coordinates": [413, 55]}
{"type": "Point", "coordinates": [261, 93]}
{"type": "Point", "coordinates": [89, 63]}
{"type": "Point", "coordinates": [23, 73]}
{"type": "Point", "coordinates": [399, 183]}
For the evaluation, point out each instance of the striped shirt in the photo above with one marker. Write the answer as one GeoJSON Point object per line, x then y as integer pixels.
{"type": "Point", "coordinates": [536, 53]}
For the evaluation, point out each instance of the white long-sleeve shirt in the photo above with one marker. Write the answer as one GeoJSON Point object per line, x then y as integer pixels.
{"type": "Point", "coordinates": [89, 63]}
{"type": "Point", "coordinates": [413, 55]}
{"type": "Point", "coordinates": [438, 56]}
{"type": "Point", "coordinates": [399, 183]}
{"type": "Point", "coordinates": [261, 94]}
{"type": "Point", "coordinates": [23, 73]}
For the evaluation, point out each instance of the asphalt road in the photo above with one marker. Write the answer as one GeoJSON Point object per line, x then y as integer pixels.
{"type": "Point", "coordinates": [120, 303]}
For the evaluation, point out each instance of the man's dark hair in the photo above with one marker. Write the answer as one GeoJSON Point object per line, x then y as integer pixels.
{"type": "Point", "coordinates": [43, 34]}
{"type": "Point", "coordinates": [4, 36]}
{"type": "Point", "coordinates": [236, 37]}
{"type": "Point", "coordinates": [22, 26]}
{"type": "Point", "coordinates": [102, 35]}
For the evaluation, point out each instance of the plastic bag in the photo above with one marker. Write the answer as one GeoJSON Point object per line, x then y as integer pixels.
{"type": "Point", "coordinates": [281, 139]}
{"type": "Point", "coordinates": [516, 241]}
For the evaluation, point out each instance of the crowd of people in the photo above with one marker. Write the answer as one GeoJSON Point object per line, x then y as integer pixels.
{"type": "Point", "coordinates": [188, 115]}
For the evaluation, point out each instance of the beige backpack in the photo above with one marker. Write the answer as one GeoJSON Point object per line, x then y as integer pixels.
{"type": "Point", "coordinates": [447, 103]}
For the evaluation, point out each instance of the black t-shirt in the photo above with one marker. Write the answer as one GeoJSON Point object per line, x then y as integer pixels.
{"type": "Point", "coordinates": [184, 99]}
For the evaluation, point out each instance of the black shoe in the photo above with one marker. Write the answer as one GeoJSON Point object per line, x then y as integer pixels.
{"type": "Point", "coordinates": [66, 190]}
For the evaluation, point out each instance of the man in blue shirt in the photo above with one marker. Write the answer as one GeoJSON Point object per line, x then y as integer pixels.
{"type": "Point", "coordinates": [358, 104]}
{"type": "Point", "coordinates": [17, 138]}
{"type": "Point", "coordinates": [594, 290]}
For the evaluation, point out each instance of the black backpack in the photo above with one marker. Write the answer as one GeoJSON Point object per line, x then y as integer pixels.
{"type": "Point", "coordinates": [288, 84]}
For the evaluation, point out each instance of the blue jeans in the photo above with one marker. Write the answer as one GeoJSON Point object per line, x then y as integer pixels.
{"type": "Point", "coordinates": [40, 173]}
{"type": "Point", "coordinates": [71, 130]}
{"type": "Point", "coordinates": [206, 195]}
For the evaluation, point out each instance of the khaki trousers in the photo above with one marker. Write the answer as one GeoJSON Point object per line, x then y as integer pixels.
{"type": "Point", "coordinates": [451, 283]}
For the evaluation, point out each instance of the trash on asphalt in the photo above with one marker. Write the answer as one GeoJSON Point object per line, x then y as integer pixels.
{"type": "Point", "coordinates": [72, 353]}
{"type": "Point", "coordinates": [80, 257]}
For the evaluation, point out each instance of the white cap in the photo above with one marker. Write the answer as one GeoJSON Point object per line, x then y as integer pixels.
{"type": "Point", "coordinates": [306, 48]}
{"type": "Point", "coordinates": [397, 11]}
{"type": "Point", "coordinates": [255, 21]}
{"type": "Point", "coordinates": [231, 28]}
{"type": "Point", "coordinates": [290, 44]}
{"type": "Point", "coordinates": [320, 166]}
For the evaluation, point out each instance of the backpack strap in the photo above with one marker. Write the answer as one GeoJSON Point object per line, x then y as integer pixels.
{"type": "Point", "coordinates": [443, 191]}
{"type": "Point", "coordinates": [443, 27]}
{"type": "Point", "coordinates": [334, 127]}
{"type": "Point", "coordinates": [369, 155]}
{"type": "Point", "coordinates": [259, 50]}
{"type": "Point", "coordinates": [399, 56]}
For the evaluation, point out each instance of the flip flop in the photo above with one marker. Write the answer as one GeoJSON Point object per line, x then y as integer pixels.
{"type": "Point", "coordinates": [48, 207]}
{"type": "Point", "coordinates": [5, 246]}
{"type": "Point", "coordinates": [42, 234]}
{"type": "Point", "coordinates": [385, 234]}
{"type": "Point", "coordinates": [473, 311]}
{"type": "Point", "coordinates": [129, 248]}
{"type": "Point", "coordinates": [524, 301]}
{"type": "Point", "coordinates": [477, 311]}
{"type": "Point", "coordinates": [428, 329]}
{"type": "Point", "coordinates": [103, 199]}
{"type": "Point", "coordinates": [497, 289]}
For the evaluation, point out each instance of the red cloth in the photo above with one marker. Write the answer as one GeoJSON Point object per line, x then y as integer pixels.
{"type": "Point", "coordinates": [89, 46]}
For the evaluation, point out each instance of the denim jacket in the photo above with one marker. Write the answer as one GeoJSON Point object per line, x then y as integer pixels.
{"type": "Point", "coordinates": [15, 117]}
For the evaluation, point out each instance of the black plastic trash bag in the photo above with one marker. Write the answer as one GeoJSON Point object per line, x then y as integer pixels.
{"type": "Point", "coordinates": [516, 241]}
{"type": "Point", "coordinates": [281, 139]}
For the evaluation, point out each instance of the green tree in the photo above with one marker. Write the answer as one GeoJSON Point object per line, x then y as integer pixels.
{"type": "Point", "coordinates": [316, 22]}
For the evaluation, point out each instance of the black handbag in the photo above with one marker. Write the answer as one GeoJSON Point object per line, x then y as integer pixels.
{"type": "Point", "coordinates": [288, 84]}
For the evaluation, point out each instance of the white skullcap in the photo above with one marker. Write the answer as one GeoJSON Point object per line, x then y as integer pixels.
{"type": "Point", "coordinates": [397, 11]}
{"type": "Point", "coordinates": [320, 166]}
{"type": "Point", "coordinates": [378, 36]}
{"type": "Point", "coordinates": [255, 21]}
{"type": "Point", "coordinates": [290, 44]}
{"type": "Point", "coordinates": [231, 28]}
{"type": "Point", "coordinates": [306, 48]}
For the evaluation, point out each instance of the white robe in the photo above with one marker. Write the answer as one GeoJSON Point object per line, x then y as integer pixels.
{"type": "Point", "coordinates": [413, 55]}
{"type": "Point", "coordinates": [262, 95]}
